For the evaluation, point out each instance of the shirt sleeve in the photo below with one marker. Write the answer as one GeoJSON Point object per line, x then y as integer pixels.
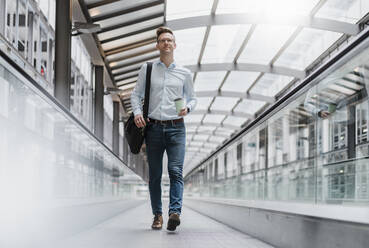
{"type": "Point", "coordinates": [189, 93]}
{"type": "Point", "coordinates": [138, 92]}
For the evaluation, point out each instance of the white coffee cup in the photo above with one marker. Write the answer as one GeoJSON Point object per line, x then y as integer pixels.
{"type": "Point", "coordinates": [179, 104]}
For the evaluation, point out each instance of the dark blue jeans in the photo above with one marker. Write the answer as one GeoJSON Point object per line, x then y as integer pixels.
{"type": "Point", "coordinates": [172, 139]}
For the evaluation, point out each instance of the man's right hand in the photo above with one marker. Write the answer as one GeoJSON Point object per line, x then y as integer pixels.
{"type": "Point", "coordinates": [324, 114]}
{"type": "Point", "coordinates": [139, 121]}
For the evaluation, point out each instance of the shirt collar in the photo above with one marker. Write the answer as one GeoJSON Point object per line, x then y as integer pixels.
{"type": "Point", "coordinates": [171, 66]}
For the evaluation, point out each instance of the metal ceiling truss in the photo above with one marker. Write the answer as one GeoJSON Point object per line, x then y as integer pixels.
{"type": "Point", "coordinates": [250, 18]}
{"type": "Point", "coordinates": [247, 67]}
{"type": "Point", "coordinates": [238, 94]}
{"type": "Point", "coordinates": [224, 112]}
{"type": "Point", "coordinates": [213, 124]}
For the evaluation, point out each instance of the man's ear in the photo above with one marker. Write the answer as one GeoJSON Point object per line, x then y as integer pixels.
{"type": "Point", "coordinates": [174, 45]}
{"type": "Point", "coordinates": [157, 45]}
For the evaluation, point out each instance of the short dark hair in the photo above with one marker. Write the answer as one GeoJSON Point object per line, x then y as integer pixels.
{"type": "Point", "coordinates": [162, 30]}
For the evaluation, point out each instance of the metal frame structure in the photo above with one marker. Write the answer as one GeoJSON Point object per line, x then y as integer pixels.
{"type": "Point", "coordinates": [137, 45]}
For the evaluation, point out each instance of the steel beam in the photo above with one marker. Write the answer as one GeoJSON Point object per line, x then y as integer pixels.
{"type": "Point", "coordinates": [247, 67]}
{"type": "Point", "coordinates": [251, 18]}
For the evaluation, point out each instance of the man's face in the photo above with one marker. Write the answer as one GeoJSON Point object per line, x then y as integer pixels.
{"type": "Point", "coordinates": [166, 43]}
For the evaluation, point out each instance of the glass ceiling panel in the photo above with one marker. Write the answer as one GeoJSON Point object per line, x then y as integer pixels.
{"type": "Point", "coordinates": [180, 9]}
{"type": "Point", "coordinates": [134, 59]}
{"type": "Point", "coordinates": [201, 137]}
{"type": "Point", "coordinates": [235, 121]}
{"type": "Point", "coordinates": [209, 81]}
{"type": "Point", "coordinates": [203, 102]}
{"type": "Point", "coordinates": [205, 150]}
{"type": "Point", "coordinates": [191, 129]}
{"type": "Point", "coordinates": [307, 47]}
{"type": "Point", "coordinates": [128, 40]}
{"type": "Point", "coordinates": [224, 103]}
{"type": "Point", "coordinates": [224, 42]}
{"type": "Point", "coordinates": [130, 28]}
{"type": "Point", "coordinates": [130, 52]}
{"type": "Point", "coordinates": [266, 7]}
{"type": "Point", "coordinates": [223, 133]}
{"type": "Point", "coordinates": [344, 10]}
{"type": "Point", "coordinates": [239, 81]}
{"type": "Point", "coordinates": [195, 143]}
{"type": "Point", "coordinates": [270, 84]}
{"type": "Point", "coordinates": [213, 118]}
{"type": "Point", "coordinates": [224, 130]}
{"type": "Point", "coordinates": [211, 145]}
{"type": "Point", "coordinates": [188, 40]}
{"type": "Point", "coordinates": [195, 149]}
{"type": "Point", "coordinates": [116, 6]}
{"type": "Point", "coordinates": [216, 139]}
{"type": "Point", "coordinates": [264, 44]}
{"type": "Point", "coordinates": [193, 118]}
{"type": "Point", "coordinates": [206, 129]}
{"type": "Point", "coordinates": [249, 106]}
{"type": "Point", "coordinates": [131, 16]}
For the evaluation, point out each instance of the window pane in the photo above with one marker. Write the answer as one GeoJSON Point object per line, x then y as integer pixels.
{"type": "Point", "coordinates": [239, 81]}
{"type": "Point", "coordinates": [224, 42]}
{"type": "Point", "coordinates": [213, 118]}
{"type": "Point", "coordinates": [346, 11]}
{"type": "Point", "coordinates": [203, 103]}
{"type": "Point", "coordinates": [265, 42]}
{"type": "Point", "coordinates": [188, 40]}
{"type": "Point", "coordinates": [180, 9]}
{"type": "Point", "coordinates": [270, 84]}
{"type": "Point", "coordinates": [249, 106]}
{"type": "Point", "coordinates": [209, 81]}
{"type": "Point", "coordinates": [224, 103]}
{"type": "Point", "coordinates": [307, 46]}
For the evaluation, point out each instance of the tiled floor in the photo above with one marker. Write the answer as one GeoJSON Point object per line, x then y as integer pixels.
{"type": "Point", "coordinates": [132, 229]}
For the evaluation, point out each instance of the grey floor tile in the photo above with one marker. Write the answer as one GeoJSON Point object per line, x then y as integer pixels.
{"type": "Point", "coordinates": [132, 229]}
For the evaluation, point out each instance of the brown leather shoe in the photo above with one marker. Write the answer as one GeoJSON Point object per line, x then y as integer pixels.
{"type": "Point", "coordinates": [157, 224]}
{"type": "Point", "coordinates": [173, 221]}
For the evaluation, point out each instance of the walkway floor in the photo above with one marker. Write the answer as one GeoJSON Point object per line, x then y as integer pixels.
{"type": "Point", "coordinates": [132, 229]}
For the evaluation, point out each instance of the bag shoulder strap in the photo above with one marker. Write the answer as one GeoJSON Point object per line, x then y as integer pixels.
{"type": "Point", "coordinates": [147, 90]}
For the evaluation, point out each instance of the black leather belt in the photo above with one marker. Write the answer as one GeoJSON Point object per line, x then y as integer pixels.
{"type": "Point", "coordinates": [167, 121]}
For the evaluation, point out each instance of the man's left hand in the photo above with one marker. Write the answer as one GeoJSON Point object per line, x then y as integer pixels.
{"type": "Point", "coordinates": [183, 112]}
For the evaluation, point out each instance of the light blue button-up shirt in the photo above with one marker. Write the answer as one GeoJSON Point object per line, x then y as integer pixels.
{"type": "Point", "coordinates": [167, 84]}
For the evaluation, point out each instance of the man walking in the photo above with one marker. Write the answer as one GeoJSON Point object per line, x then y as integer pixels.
{"type": "Point", "coordinates": [165, 129]}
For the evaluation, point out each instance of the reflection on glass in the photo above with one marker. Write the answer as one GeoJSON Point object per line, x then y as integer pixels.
{"type": "Point", "coordinates": [49, 164]}
{"type": "Point", "coordinates": [314, 149]}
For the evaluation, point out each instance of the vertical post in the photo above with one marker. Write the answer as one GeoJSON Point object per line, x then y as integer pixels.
{"type": "Point", "coordinates": [351, 146]}
{"type": "Point", "coordinates": [116, 127]}
{"type": "Point", "coordinates": [2, 17]}
{"type": "Point", "coordinates": [99, 102]}
{"type": "Point", "coordinates": [63, 52]}
{"type": "Point", "coordinates": [30, 36]}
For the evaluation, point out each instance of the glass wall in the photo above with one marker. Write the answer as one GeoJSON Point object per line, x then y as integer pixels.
{"type": "Point", "coordinates": [313, 149]}
{"type": "Point", "coordinates": [30, 32]}
{"type": "Point", "coordinates": [47, 158]}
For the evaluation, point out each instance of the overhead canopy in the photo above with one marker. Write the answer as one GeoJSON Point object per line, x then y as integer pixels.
{"type": "Point", "coordinates": [242, 53]}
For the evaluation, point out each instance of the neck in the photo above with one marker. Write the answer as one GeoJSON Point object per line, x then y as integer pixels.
{"type": "Point", "coordinates": [167, 59]}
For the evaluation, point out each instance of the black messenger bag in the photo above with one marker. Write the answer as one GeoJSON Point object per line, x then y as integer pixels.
{"type": "Point", "coordinates": [134, 135]}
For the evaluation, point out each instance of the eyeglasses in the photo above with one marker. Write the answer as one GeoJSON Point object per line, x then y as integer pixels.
{"type": "Point", "coordinates": [166, 40]}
